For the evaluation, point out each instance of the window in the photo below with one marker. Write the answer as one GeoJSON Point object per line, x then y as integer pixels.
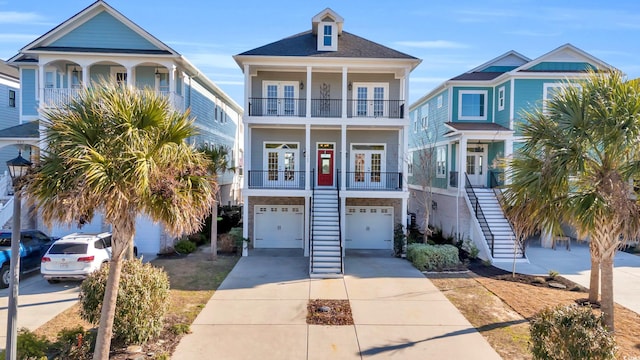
{"type": "Point", "coordinates": [472, 105]}
{"type": "Point", "coordinates": [551, 90]}
{"type": "Point", "coordinates": [439, 101]}
{"type": "Point", "coordinates": [425, 116]}
{"type": "Point", "coordinates": [327, 35]}
{"type": "Point", "coordinates": [410, 164]}
{"type": "Point", "coordinates": [415, 121]}
{"type": "Point", "coordinates": [501, 98]}
{"type": "Point", "coordinates": [215, 117]}
{"type": "Point", "coordinates": [12, 98]}
{"type": "Point", "coordinates": [441, 162]}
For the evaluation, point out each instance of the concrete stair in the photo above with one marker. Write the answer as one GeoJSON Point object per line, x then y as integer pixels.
{"type": "Point", "coordinates": [504, 244]}
{"type": "Point", "coordinates": [326, 253]}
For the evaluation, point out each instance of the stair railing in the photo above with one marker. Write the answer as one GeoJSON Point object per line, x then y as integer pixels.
{"type": "Point", "coordinates": [339, 221]}
{"type": "Point", "coordinates": [503, 205]}
{"type": "Point", "coordinates": [313, 193]}
{"type": "Point", "coordinates": [482, 220]}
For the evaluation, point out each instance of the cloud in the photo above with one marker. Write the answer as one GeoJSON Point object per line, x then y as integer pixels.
{"type": "Point", "coordinates": [433, 44]}
{"type": "Point", "coordinates": [16, 17]}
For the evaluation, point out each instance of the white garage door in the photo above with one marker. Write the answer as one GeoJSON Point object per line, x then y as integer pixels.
{"type": "Point", "coordinates": [278, 226]}
{"type": "Point", "coordinates": [369, 227]}
{"type": "Point", "coordinates": [147, 237]}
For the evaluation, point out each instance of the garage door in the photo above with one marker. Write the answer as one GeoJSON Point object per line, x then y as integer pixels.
{"type": "Point", "coordinates": [278, 226]}
{"type": "Point", "coordinates": [369, 227]}
{"type": "Point", "coordinates": [147, 237]}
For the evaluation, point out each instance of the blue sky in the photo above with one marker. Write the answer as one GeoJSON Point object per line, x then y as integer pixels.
{"type": "Point", "coordinates": [450, 37]}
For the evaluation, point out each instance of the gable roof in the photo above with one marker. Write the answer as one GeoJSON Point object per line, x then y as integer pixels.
{"type": "Point", "coordinates": [305, 44]}
{"type": "Point", "coordinates": [51, 41]}
{"type": "Point", "coordinates": [564, 53]}
{"type": "Point", "coordinates": [339, 20]}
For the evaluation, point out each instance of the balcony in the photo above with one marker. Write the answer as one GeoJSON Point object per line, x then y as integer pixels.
{"type": "Point", "coordinates": [54, 97]}
{"type": "Point", "coordinates": [326, 108]}
{"type": "Point", "coordinates": [358, 180]}
{"type": "Point", "coordinates": [274, 179]}
{"type": "Point", "coordinates": [374, 180]}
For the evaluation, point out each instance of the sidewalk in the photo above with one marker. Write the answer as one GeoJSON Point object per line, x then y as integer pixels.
{"type": "Point", "coordinates": [575, 265]}
{"type": "Point", "coordinates": [259, 312]}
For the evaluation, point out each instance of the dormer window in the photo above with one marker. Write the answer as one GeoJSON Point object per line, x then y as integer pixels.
{"type": "Point", "coordinates": [327, 36]}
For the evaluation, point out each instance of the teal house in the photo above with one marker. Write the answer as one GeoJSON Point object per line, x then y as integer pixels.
{"type": "Point", "coordinates": [99, 42]}
{"type": "Point", "coordinates": [463, 128]}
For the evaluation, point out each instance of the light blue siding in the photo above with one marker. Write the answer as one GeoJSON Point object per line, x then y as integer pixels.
{"type": "Point", "coordinates": [28, 85]}
{"type": "Point", "coordinates": [99, 72]}
{"type": "Point", "coordinates": [502, 116]}
{"type": "Point", "coordinates": [562, 66]}
{"type": "Point", "coordinates": [437, 117]}
{"type": "Point", "coordinates": [454, 103]}
{"type": "Point", "coordinates": [104, 31]}
{"type": "Point", "coordinates": [528, 97]}
{"type": "Point", "coordinates": [145, 77]}
{"type": "Point", "coordinates": [9, 115]}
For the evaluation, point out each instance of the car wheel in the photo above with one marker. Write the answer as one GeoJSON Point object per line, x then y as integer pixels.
{"type": "Point", "coordinates": [5, 276]}
{"type": "Point", "coordinates": [52, 281]}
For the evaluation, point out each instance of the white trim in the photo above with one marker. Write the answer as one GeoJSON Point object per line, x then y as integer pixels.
{"type": "Point", "coordinates": [439, 101]}
{"type": "Point", "coordinates": [473, 92]}
{"type": "Point", "coordinates": [335, 165]}
{"type": "Point", "coordinates": [512, 105]}
{"type": "Point", "coordinates": [370, 97]}
{"type": "Point", "coordinates": [545, 91]}
{"type": "Point", "coordinates": [501, 97]}
{"type": "Point", "coordinates": [321, 36]}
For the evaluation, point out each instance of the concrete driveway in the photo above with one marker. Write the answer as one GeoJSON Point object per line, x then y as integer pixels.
{"type": "Point", "coordinates": [38, 302]}
{"type": "Point", "coordinates": [259, 312]}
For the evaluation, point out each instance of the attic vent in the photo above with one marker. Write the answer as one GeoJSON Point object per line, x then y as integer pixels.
{"type": "Point", "coordinates": [328, 19]}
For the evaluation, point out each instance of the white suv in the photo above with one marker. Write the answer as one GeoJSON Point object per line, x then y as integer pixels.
{"type": "Point", "coordinates": [75, 256]}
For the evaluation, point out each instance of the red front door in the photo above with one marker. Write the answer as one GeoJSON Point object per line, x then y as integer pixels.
{"type": "Point", "coordinates": [325, 167]}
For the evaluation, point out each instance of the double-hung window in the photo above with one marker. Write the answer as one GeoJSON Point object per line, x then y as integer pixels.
{"type": "Point", "coordinates": [441, 162]}
{"type": "Point", "coordinates": [551, 90]}
{"type": "Point", "coordinates": [472, 105]}
{"type": "Point", "coordinates": [12, 98]}
{"type": "Point", "coordinates": [424, 112]}
{"type": "Point", "coordinates": [327, 35]}
{"type": "Point", "coordinates": [501, 98]}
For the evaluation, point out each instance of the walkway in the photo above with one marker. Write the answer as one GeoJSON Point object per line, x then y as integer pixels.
{"type": "Point", "coordinates": [575, 265]}
{"type": "Point", "coordinates": [259, 313]}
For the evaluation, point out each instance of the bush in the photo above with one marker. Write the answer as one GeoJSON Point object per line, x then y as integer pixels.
{"type": "Point", "coordinates": [570, 332]}
{"type": "Point", "coordinates": [432, 257]}
{"type": "Point", "coordinates": [398, 239]}
{"type": "Point", "coordinates": [184, 247]}
{"type": "Point", "coordinates": [75, 343]}
{"type": "Point", "coordinates": [29, 346]}
{"type": "Point", "coordinates": [143, 300]}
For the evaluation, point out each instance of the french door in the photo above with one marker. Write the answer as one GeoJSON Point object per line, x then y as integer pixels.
{"type": "Point", "coordinates": [476, 165]}
{"type": "Point", "coordinates": [280, 161]}
{"type": "Point", "coordinates": [368, 164]}
{"type": "Point", "coordinates": [280, 98]}
{"type": "Point", "coordinates": [371, 100]}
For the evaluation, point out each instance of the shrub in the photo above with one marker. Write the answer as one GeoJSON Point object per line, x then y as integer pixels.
{"type": "Point", "coordinates": [184, 247]}
{"type": "Point", "coordinates": [29, 346]}
{"type": "Point", "coordinates": [180, 329]}
{"type": "Point", "coordinates": [553, 274]}
{"type": "Point", "coordinates": [75, 343]}
{"type": "Point", "coordinates": [570, 332]}
{"type": "Point", "coordinates": [143, 300]}
{"type": "Point", "coordinates": [398, 239]}
{"type": "Point", "coordinates": [432, 257]}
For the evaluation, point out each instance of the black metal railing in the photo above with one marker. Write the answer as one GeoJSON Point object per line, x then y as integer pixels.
{"type": "Point", "coordinates": [393, 109]}
{"type": "Point", "coordinates": [313, 194]}
{"type": "Point", "coordinates": [503, 206]}
{"type": "Point", "coordinates": [374, 180]}
{"type": "Point", "coordinates": [477, 210]}
{"type": "Point", "coordinates": [277, 107]}
{"type": "Point", "coordinates": [339, 221]}
{"type": "Point", "coordinates": [275, 179]}
{"type": "Point", "coordinates": [326, 107]}
{"type": "Point", "coordinates": [496, 178]}
{"type": "Point", "coordinates": [453, 179]}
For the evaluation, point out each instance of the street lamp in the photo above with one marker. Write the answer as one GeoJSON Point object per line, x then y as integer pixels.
{"type": "Point", "coordinates": [17, 168]}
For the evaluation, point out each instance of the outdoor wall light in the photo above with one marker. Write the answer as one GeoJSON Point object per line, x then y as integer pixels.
{"type": "Point", "coordinates": [301, 85]}
{"type": "Point", "coordinates": [350, 86]}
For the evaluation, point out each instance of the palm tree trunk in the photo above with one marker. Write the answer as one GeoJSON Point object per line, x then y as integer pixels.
{"type": "Point", "coordinates": [594, 280]}
{"type": "Point", "coordinates": [105, 329]}
{"type": "Point", "coordinates": [606, 303]}
{"type": "Point", "coordinates": [214, 232]}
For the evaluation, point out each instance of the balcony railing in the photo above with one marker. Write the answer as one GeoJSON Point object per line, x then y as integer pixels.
{"type": "Point", "coordinates": [54, 97]}
{"type": "Point", "coordinates": [374, 180]}
{"type": "Point", "coordinates": [331, 108]}
{"type": "Point", "coordinates": [275, 179]}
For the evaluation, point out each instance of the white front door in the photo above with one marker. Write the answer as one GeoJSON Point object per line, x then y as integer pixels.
{"type": "Point", "coordinates": [477, 165]}
{"type": "Point", "coordinates": [368, 166]}
{"type": "Point", "coordinates": [371, 100]}
{"type": "Point", "coordinates": [280, 98]}
{"type": "Point", "coordinates": [280, 161]}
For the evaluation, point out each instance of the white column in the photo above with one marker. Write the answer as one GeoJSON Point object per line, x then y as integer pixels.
{"type": "Point", "coordinates": [405, 211]}
{"type": "Point", "coordinates": [508, 154]}
{"type": "Point", "coordinates": [247, 91]}
{"type": "Point", "coordinates": [40, 85]}
{"type": "Point", "coordinates": [307, 157]}
{"type": "Point", "coordinates": [245, 226]}
{"type": "Point", "coordinates": [404, 144]}
{"type": "Point", "coordinates": [405, 96]}
{"type": "Point", "coordinates": [308, 99]}
{"type": "Point", "coordinates": [343, 158]}
{"type": "Point", "coordinates": [130, 80]}
{"type": "Point", "coordinates": [307, 211]}
{"type": "Point", "coordinates": [172, 79]}
{"type": "Point", "coordinates": [343, 207]}
{"type": "Point", "coordinates": [85, 76]}
{"type": "Point", "coordinates": [344, 93]}
{"type": "Point", "coordinates": [462, 162]}
{"type": "Point", "coordinates": [247, 158]}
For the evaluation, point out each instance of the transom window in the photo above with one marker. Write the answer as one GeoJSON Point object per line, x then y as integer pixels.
{"type": "Point", "coordinates": [472, 105]}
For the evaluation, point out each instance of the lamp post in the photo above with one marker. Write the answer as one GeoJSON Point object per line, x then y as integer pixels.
{"type": "Point", "coordinates": [17, 168]}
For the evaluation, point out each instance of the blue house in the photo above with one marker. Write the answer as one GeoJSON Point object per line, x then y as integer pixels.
{"type": "Point", "coordinates": [462, 128]}
{"type": "Point", "coordinates": [99, 42]}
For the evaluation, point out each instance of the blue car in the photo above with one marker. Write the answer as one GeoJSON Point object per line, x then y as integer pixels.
{"type": "Point", "coordinates": [33, 244]}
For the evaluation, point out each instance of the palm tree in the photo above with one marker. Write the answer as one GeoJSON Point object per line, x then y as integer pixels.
{"type": "Point", "coordinates": [123, 152]}
{"type": "Point", "coordinates": [218, 164]}
{"type": "Point", "coordinates": [577, 166]}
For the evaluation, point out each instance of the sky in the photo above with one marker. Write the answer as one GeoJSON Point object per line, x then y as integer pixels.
{"type": "Point", "coordinates": [451, 37]}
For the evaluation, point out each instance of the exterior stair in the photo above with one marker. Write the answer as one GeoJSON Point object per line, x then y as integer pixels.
{"type": "Point", "coordinates": [504, 244]}
{"type": "Point", "coordinates": [326, 251]}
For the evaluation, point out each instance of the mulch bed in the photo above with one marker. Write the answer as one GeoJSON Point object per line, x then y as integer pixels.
{"type": "Point", "coordinates": [329, 312]}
